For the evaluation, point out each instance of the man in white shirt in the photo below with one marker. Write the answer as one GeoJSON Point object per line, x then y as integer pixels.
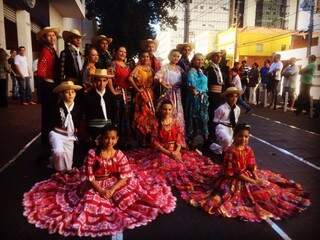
{"type": "Point", "coordinates": [275, 74]}
{"type": "Point", "coordinates": [23, 77]}
{"type": "Point", "coordinates": [290, 76]}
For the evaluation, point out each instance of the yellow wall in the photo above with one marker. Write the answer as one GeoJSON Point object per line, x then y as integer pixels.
{"type": "Point", "coordinates": [247, 42]}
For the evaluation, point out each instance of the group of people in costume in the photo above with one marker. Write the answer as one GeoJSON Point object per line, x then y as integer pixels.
{"type": "Point", "coordinates": [111, 106]}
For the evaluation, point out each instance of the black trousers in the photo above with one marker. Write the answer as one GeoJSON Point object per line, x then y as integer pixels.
{"type": "Point", "coordinates": [274, 92]}
{"type": "Point", "coordinates": [303, 101]}
{"type": "Point", "coordinates": [48, 101]}
{"type": "Point", "coordinates": [3, 93]}
{"type": "Point", "coordinates": [215, 100]}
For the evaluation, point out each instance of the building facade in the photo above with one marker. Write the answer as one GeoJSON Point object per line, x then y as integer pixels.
{"type": "Point", "coordinates": [20, 20]}
{"type": "Point", "coordinates": [207, 18]}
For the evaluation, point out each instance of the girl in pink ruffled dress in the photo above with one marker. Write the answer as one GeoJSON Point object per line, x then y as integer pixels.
{"type": "Point", "coordinates": [105, 197]}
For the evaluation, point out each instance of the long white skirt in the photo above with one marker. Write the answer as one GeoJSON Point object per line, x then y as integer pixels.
{"type": "Point", "coordinates": [62, 151]}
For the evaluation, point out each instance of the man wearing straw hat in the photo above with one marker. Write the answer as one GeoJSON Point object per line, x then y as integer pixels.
{"type": "Point", "coordinates": [66, 120]}
{"type": "Point", "coordinates": [102, 43]}
{"type": "Point", "coordinates": [215, 85]}
{"type": "Point", "coordinates": [151, 45]}
{"type": "Point", "coordinates": [225, 119]}
{"type": "Point", "coordinates": [97, 108]}
{"type": "Point", "coordinates": [185, 49]}
{"type": "Point", "coordinates": [48, 77]}
{"type": "Point", "coordinates": [71, 60]}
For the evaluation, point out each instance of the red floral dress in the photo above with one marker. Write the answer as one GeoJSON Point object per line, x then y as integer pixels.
{"type": "Point", "coordinates": [68, 205]}
{"type": "Point", "coordinates": [189, 173]}
{"type": "Point", "coordinates": [229, 196]}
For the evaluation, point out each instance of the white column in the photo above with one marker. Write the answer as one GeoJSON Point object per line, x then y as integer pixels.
{"type": "Point", "coordinates": [249, 16]}
{"type": "Point", "coordinates": [24, 37]}
{"type": "Point", "coordinates": [2, 28]}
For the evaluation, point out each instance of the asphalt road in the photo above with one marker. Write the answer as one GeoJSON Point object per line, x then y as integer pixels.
{"type": "Point", "coordinates": [293, 152]}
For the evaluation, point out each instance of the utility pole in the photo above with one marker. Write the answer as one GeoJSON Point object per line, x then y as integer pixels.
{"type": "Point", "coordinates": [310, 30]}
{"type": "Point", "coordinates": [186, 20]}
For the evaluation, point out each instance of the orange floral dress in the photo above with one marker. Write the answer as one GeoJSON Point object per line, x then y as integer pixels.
{"type": "Point", "coordinates": [144, 110]}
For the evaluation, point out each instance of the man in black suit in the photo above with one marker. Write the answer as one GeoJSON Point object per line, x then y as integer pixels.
{"type": "Point", "coordinates": [71, 60]}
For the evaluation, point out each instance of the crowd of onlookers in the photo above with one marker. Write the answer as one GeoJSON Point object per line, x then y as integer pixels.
{"type": "Point", "coordinates": [262, 85]}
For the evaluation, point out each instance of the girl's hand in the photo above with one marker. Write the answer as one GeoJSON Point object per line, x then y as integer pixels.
{"type": "Point", "coordinates": [108, 193]}
{"type": "Point", "coordinates": [176, 155]}
{"type": "Point", "coordinates": [259, 182]}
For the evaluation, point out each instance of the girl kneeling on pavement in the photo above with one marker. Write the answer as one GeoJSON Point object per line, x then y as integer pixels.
{"type": "Point", "coordinates": [65, 122]}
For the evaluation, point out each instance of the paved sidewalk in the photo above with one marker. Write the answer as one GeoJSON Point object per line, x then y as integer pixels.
{"type": "Point", "coordinates": [18, 125]}
{"type": "Point", "coordinates": [301, 121]}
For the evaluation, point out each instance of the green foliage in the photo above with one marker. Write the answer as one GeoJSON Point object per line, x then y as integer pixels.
{"type": "Point", "coordinates": [130, 21]}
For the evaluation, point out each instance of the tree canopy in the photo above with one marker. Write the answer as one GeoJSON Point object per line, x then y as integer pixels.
{"type": "Point", "coordinates": [130, 21]}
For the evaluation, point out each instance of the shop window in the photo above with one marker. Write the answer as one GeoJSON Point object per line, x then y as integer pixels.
{"type": "Point", "coordinates": [259, 47]}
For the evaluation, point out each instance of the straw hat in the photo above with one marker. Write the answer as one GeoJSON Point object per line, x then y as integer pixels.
{"type": "Point", "coordinates": [99, 38]}
{"type": "Point", "coordinates": [66, 85]}
{"type": "Point", "coordinates": [45, 30]}
{"type": "Point", "coordinates": [144, 43]}
{"type": "Point", "coordinates": [105, 73]}
{"type": "Point", "coordinates": [66, 35]}
{"type": "Point", "coordinates": [211, 54]}
{"type": "Point", "coordinates": [181, 46]}
{"type": "Point", "coordinates": [231, 90]}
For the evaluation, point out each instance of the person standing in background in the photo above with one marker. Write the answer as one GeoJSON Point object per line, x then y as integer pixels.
{"type": "Point", "coordinates": [290, 74]}
{"type": "Point", "coordinates": [307, 75]}
{"type": "Point", "coordinates": [4, 70]}
{"type": "Point", "coordinates": [23, 77]}
{"type": "Point", "coordinates": [15, 86]}
{"type": "Point", "coordinates": [275, 75]}
{"type": "Point", "coordinates": [254, 77]}
{"type": "Point", "coordinates": [264, 78]}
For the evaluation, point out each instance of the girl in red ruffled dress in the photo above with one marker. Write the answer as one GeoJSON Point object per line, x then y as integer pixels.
{"type": "Point", "coordinates": [241, 190]}
{"type": "Point", "coordinates": [181, 168]}
{"type": "Point", "coordinates": [105, 198]}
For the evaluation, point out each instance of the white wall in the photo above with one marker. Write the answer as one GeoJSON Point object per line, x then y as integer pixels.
{"type": "Point", "coordinates": [249, 18]}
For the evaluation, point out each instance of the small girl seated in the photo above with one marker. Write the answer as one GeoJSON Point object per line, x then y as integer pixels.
{"type": "Point", "coordinates": [242, 190]}
{"type": "Point", "coordinates": [105, 198]}
{"type": "Point", "coordinates": [168, 159]}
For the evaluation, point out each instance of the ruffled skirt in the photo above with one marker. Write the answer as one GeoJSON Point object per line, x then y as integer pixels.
{"type": "Point", "coordinates": [66, 204]}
